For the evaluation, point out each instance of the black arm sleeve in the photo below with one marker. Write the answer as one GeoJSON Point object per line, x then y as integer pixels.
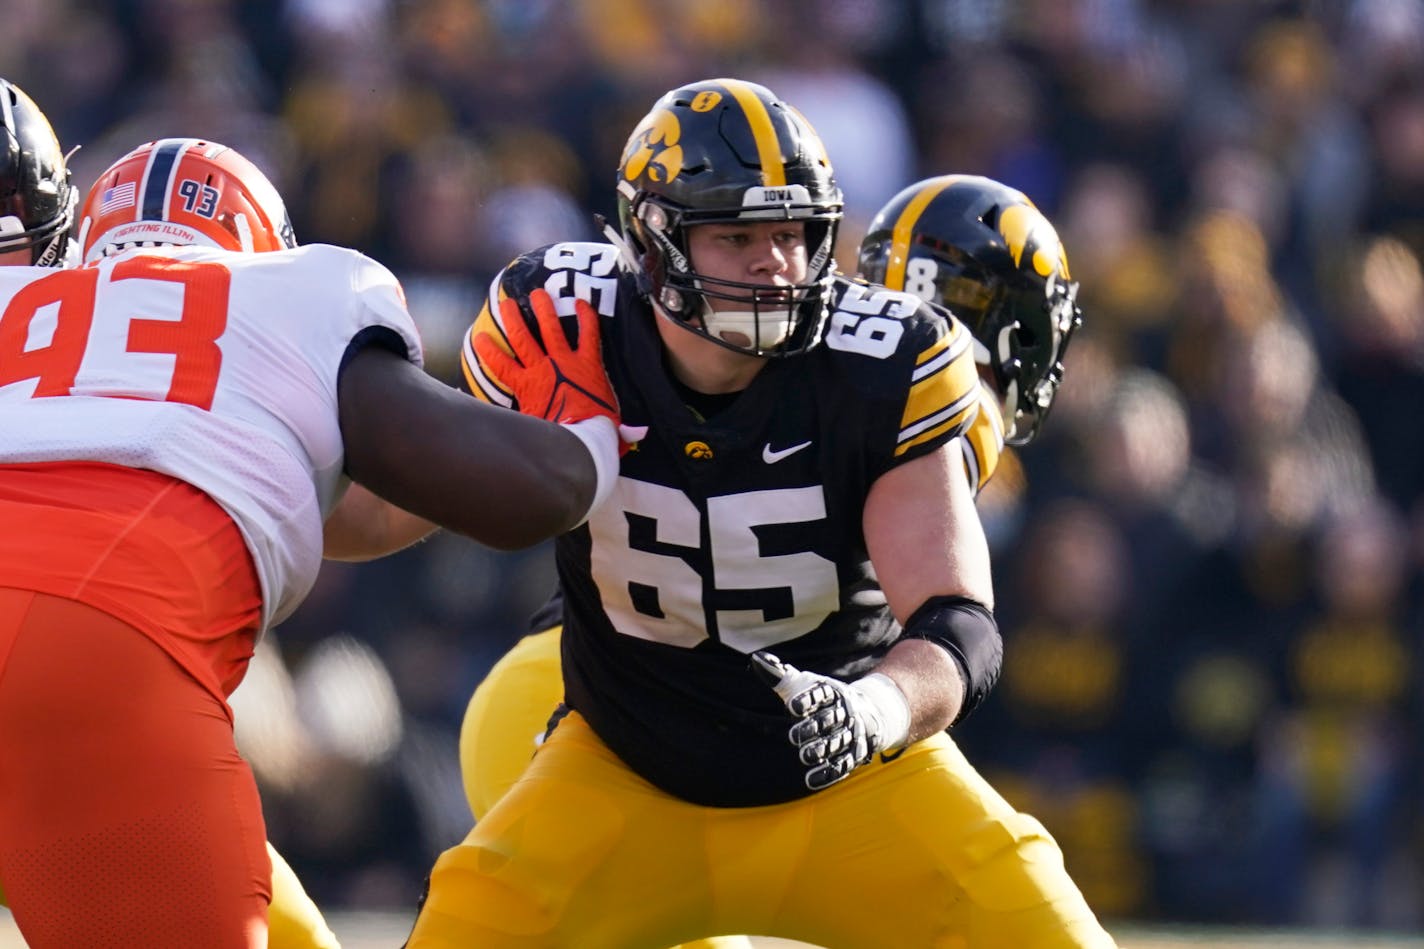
{"type": "Point", "coordinates": [966, 630]}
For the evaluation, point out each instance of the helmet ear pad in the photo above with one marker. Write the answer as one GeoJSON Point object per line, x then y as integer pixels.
{"type": "Point", "coordinates": [660, 244]}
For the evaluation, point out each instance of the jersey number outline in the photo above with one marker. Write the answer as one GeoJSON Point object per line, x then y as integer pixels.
{"type": "Point", "coordinates": [870, 320]}
{"type": "Point", "coordinates": [595, 280]}
{"type": "Point", "coordinates": [622, 559]}
{"type": "Point", "coordinates": [47, 331]}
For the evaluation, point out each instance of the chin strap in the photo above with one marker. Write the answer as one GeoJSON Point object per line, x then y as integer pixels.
{"type": "Point", "coordinates": [626, 258]}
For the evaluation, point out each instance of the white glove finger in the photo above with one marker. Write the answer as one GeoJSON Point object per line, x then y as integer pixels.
{"type": "Point", "coordinates": [811, 694]}
{"type": "Point", "coordinates": [813, 753]}
{"type": "Point", "coordinates": [819, 724]}
{"type": "Point", "coordinates": [804, 732]}
{"type": "Point", "coordinates": [841, 742]}
{"type": "Point", "coordinates": [829, 719]}
{"type": "Point", "coordinates": [829, 773]}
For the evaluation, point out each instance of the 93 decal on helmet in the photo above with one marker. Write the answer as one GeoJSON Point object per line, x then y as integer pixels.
{"type": "Point", "coordinates": [183, 191]}
{"type": "Point", "coordinates": [725, 151]}
{"type": "Point", "coordinates": [987, 254]}
{"type": "Point", "coordinates": [36, 197]}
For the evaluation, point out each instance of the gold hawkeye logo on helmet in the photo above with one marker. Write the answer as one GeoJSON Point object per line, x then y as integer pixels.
{"type": "Point", "coordinates": [654, 148]}
{"type": "Point", "coordinates": [1023, 225]}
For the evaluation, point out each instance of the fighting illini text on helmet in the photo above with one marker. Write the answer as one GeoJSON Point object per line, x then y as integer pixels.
{"type": "Point", "coordinates": [983, 251]}
{"type": "Point", "coordinates": [183, 191]}
{"type": "Point", "coordinates": [725, 151]}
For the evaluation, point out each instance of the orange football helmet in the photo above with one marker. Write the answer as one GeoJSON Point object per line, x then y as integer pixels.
{"type": "Point", "coordinates": [183, 191]}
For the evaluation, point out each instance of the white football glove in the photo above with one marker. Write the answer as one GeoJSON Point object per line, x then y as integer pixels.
{"type": "Point", "coordinates": [839, 725]}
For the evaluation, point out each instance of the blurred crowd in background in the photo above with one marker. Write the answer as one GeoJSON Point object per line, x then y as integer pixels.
{"type": "Point", "coordinates": [1210, 566]}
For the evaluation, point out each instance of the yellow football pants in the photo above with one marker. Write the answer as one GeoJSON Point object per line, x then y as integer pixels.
{"type": "Point", "coordinates": [506, 717]}
{"type": "Point", "coordinates": [293, 921]}
{"type": "Point", "coordinates": [921, 851]}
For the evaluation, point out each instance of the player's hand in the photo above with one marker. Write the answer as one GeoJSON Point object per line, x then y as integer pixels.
{"type": "Point", "coordinates": [839, 725]}
{"type": "Point", "coordinates": [557, 382]}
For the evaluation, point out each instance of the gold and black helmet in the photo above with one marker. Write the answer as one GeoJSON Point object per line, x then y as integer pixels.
{"type": "Point", "coordinates": [983, 251]}
{"type": "Point", "coordinates": [728, 151]}
{"type": "Point", "coordinates": [36, 197]}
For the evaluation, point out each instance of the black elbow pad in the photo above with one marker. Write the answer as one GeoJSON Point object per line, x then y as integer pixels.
{"type": "Point", "coordinates": [967, 631]}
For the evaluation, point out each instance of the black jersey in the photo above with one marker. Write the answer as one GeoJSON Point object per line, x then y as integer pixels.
{"type": "Point", "coordinates": [738, 532]}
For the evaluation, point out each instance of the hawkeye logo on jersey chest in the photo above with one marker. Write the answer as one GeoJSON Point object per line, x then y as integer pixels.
{"type": "Point", "coordinates": [698, 450]}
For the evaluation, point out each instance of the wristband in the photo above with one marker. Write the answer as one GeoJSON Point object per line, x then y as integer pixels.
{"type": "Point", "coordinates": [600, 436]}
{"type": "Point", "coordinates": [892, 705]}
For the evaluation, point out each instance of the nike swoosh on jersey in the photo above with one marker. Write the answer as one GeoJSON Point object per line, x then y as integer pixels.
{"type": "Point", "coordinates": [771, 456]}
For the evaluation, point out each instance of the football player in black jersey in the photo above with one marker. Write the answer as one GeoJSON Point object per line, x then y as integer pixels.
{"type": "Point", "coordinates": [784, 603]}
{"type": "Point", "coordinates": [968, 243]}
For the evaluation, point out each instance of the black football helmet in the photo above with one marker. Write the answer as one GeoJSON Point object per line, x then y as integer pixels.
{"type": "Point", "coordinates": [983, 251]}
{"type": "Point", "coordinates": [728, 151]}
{"type": "Point", "coordinates": [36, 197]}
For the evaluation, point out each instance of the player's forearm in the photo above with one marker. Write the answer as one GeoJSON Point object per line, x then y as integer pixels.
{"type": "Point", "coordinates": [511, 482]}
{"type": "Point", "coordinates": [364, 527]}
{"type": "Point", "coordinates": [931, 681]}
{"type": "Point", "coordinates": [503, 479]}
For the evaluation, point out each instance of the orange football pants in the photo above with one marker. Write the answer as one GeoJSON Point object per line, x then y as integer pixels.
{"type": "Point", "coordinates": [128, 611]}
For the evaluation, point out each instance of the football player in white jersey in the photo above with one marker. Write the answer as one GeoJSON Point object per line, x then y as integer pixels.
{"type": "Point", "coordinates": [178, 417]}
{"type": "Point", "coordinates": [36, 228]}
{"type": "Point", "coordinates": [784, 603]}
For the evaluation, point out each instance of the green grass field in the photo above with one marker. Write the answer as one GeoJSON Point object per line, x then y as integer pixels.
{"type": "Point", "coordinates": [388, 931]}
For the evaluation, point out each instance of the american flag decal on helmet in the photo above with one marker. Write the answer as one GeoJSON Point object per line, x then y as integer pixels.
{"type": "Point", "coordinates": [117, 198]}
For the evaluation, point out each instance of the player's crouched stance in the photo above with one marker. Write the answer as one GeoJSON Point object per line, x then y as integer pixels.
{"type": "Point", "coordinates": [783, 604]}
{"type": "Point", "coordinates": [180, 417]}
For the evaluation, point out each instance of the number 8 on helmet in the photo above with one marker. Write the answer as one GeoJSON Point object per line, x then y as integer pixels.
{"type": "Point", "coordinates": [983, 251]}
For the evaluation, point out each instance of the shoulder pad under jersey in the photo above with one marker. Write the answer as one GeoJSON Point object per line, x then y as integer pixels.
{"type": "Point", "coordinates": [568, 271]}
{"type": "Point", "coordinates": [893, 346]}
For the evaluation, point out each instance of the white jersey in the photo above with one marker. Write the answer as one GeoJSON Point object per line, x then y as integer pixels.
{"type": "Point", "coordinates": [214, 367]}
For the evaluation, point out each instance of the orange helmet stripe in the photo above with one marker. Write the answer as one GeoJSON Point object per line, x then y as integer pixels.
{"type": "Point", "coordinates": [773, 170]}
{"type": "Point", "coordinates": [905, 226]}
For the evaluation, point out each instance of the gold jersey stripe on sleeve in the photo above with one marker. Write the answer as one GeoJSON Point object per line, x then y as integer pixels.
{"type": "Point", "coordinates": [481, 383]}
{"type": "Point", "coordinates": [983, 443]}
{"type": "Point", "coordinates": [773, 170]}
{"type": "Point", "coordinates": [905, 227]}
{"type": "Point", "coordinates": [944, 394]}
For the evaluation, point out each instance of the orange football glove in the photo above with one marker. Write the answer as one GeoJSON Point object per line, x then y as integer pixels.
{"type": "Point", "coordinates": [558, 382]}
